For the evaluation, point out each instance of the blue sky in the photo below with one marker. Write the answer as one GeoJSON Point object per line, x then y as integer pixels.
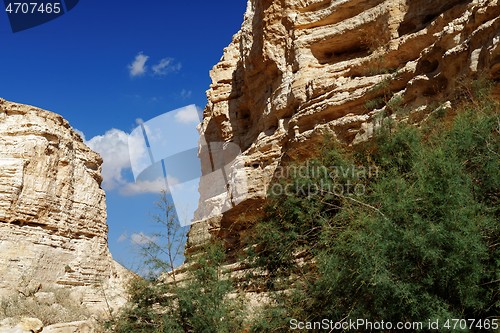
{"type": "Point", "coordinates": [106, 64]}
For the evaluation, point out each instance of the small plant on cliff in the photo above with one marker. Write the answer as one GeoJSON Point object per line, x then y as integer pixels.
{"type": "Point", "coordinates": [374, 103]}
{"type": "Point", "coordinates": [51, 306]}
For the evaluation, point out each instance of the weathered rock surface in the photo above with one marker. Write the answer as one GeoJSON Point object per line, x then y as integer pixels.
{"type": "Point", "coordinates": [35, 325]}
{"type": "Point", "coordinates": [25, 325]}
{"type": "Point", "coordinates": [72, 327]}
{"type": "Point", "coordinates": [298, 69]}
{"type": "Point", "coordinates": [53, 230]}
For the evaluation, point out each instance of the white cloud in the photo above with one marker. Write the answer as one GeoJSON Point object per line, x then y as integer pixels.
{"type": "Point", "coordinates": [186, 94]}
{"type": "Point", "coordinates": [116, 149]}
{"type": "Point", "coordinates": [165, 66]}
{"type": "Point", "coordinates": [141, 239]}
{"type": "Point", "coordinates": [187, 115]}
{"type": "Point", "coordinates": [138, 66]}
{"type": "Point", "coordinates": [143, 187]}
{"type": "Point", "coordinates": [113, 148]}
{"type": "Point", "coordinates": [123, 237]}
{"type": "Point", "coordinates": [126, 154]}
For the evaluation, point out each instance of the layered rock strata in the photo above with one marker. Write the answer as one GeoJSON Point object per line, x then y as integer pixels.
{"type": "Point", "coordinates": [53, 230]}
{"type": "Point", "coordinates": [299, 69]}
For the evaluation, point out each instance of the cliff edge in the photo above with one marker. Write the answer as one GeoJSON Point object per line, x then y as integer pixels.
{"type": "Point", "coordinates": [299, 69]}
{"type": "Point", "coordinates": [53, 231]}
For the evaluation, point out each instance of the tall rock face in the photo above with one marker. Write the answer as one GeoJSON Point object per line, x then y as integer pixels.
{"type": "Point", "coordinates": [53, 230]}
{"type": "Point", "coordinates": [299, 69]}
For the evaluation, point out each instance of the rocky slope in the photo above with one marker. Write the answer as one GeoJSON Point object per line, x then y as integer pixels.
{"type": "Point", "coordinates": [298, 69]}
{"type": "Point", "coordinates": [53, 230]}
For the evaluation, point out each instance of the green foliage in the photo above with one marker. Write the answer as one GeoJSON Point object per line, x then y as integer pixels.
{"type": "Point", "coordinates": [373, 104]}
{"type": "Point", "coordinates": [396, 105]}
{"type": "Point", "coordinates": [204, 302]}
{"type": "Point", "coordinates": [421, 243]}
{"type": "Point", "coordinates": [200, 303]}
{"type": "Point", "coordinates": [140, 314]}
{"type": "Point", "coordinates": [163, 249]}
{"type": "Point", "coordinates": [404, 228]}
{"type": "Point", "coordinates": [51, 306]}
{"type": "Point", "coordinates": [383, 86]}
{"type": "Point", "coordinates": [294, 222]}
{"type": "Point", "coordinates": [396, 148]}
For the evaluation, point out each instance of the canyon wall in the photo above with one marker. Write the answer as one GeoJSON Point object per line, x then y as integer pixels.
{"type": "Point", "coordinates": [53, 230]}
{"type": "Point", "coordinates": [299, 69]}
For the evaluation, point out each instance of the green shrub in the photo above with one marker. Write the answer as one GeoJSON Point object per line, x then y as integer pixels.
{"type": "Point", "coordinates": [422, 243]}
{"type": "Point", "coordinates": [51, 306]}
{"type": "Point", "coordinates": [414, 237]}
{"type": "Point", "coordinates": [199, 303]}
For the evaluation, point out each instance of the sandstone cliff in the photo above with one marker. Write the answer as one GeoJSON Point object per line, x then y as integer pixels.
{"type": "Point", "coordinates": [53, 230]}
{"type": "Point", "coordinates": [298, 69]}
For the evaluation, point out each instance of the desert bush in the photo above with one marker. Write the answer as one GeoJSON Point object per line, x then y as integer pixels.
{"type": "Point", "coordinates": [51, 306]}
{"type": "Point", "coordinates": [420, 244]}
{"type": "Point", "coordinates": [199, 303]}
{"type": "Point", "coordinates": [403, 228]}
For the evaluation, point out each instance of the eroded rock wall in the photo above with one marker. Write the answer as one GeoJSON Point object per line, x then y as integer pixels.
{"type": "Point", "coordinates": [53, 230]}
{"type": "Point", "coordinates": [298, 69]}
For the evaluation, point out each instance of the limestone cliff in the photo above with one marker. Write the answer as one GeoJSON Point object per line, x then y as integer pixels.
{"type": "Point", "coordinates": [298, 69]}
{"type": "Point", "coordinates": [53, 230]}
